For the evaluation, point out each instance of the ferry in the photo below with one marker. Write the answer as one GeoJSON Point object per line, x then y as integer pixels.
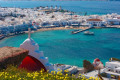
{"type": "Point", "coordinates": [88, 33]}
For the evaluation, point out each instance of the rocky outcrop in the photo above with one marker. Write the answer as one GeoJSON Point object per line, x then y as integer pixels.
{"type": "Point", "coordinates": [11, 56]}
{"type": "Point", "coordinates": [87, 66]}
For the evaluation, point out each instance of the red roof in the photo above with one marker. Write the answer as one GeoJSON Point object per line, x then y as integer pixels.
{"type": "Point", "coordinates": [32, 64]}
{"type": "Point", "coordinates": [75, 16]}
{"type": "Point", "coordinates": [118, 17]}
{"type": "Point", "coordinates": [94, 20]}
{"type": "Point", "coordinates": [97, 59]}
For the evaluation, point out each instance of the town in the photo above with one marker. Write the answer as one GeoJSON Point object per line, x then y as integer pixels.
{"type": "Point", "coordinates": [14, 21]}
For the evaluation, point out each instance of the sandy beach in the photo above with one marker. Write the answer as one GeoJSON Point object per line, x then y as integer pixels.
{"type": "Point", "coordinates": [57, 28]}
{"type": "Point", "coordinates": [47, 29]}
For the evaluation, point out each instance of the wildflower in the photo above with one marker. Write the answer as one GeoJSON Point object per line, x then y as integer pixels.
{"type": "Point", "coordinates": [19, 78]}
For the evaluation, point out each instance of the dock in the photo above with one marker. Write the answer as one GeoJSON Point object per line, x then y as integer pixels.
{"type": "Point", "coordinates": [78, 31]}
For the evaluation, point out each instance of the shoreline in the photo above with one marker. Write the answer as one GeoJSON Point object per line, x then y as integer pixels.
{"type": "Point", "coordinates": [48, 29]}
{"type": "Point", "coordinates": [57, 28]}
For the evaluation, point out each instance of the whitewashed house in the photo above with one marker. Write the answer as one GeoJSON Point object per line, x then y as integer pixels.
{"type": "Point", "coordinates": [95, 22]}
{"type": "Point", "coordinates": [113, 65]}
{"type": "Point", "coordinates": [114, 21]}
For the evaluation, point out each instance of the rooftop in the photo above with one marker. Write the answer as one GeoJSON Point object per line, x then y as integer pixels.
{"type": "Point", "coordinates": [113, 62]}
{"type": "Point", "coordinates": [94, 20]}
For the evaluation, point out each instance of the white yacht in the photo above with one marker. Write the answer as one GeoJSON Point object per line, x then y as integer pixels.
{"type": "Point", "coordinates": [88, 33]}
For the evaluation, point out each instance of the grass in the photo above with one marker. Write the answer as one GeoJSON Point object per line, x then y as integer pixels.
{"type": "Point", "coordinates": [13, 73]}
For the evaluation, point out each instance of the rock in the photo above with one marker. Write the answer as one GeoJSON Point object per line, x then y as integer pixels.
{"type": "Point", "coordinates": [87, 66]}
{"type": "Point", "coordinates": [11, 56]}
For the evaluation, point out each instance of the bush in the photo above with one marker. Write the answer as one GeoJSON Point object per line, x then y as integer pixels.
{"type": "Point", "coordinates": [87, 66]}
{"type": "Point", "coordinates": [13, 73]}
{"type": "Point", "coordinates": [114, 59]}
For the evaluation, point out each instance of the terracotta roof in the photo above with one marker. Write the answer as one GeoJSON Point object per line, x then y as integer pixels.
{"type": "Point", "coordinates": [94, 20]}
{"type": "Point", "coordinates": [118, 17]}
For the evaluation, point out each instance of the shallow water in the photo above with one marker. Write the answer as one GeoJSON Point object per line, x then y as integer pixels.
{"type": "Point", "coordinates": [60, 46]}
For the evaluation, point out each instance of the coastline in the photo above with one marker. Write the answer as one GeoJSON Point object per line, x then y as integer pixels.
{"type": "Point", "coordinates": [60, 28]}
{"type": "Point", "coordinates": [57, 28]}
{"type": "Point", "coordinates": [48, 29]}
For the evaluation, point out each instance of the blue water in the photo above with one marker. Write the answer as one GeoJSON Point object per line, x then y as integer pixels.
{"type": "Point", "coordinates": [80, 7]}
{"type": "Point", "coordinates": [63, 47]}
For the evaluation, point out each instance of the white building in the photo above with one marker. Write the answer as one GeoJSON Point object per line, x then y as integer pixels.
{"type": "Point", "coordinates": [114, 21]}
{"type": "Point", "coordinates": [33, 48]}
{"type": "Point", "coordinates": [112, 70]}
{"type": "Point", "coordinates": [95, 22]}
{"type": "Point", "coordinates": [113, 65]}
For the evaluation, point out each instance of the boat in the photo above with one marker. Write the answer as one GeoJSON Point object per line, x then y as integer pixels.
{"type": "Point", "coordinates": [88, 33]}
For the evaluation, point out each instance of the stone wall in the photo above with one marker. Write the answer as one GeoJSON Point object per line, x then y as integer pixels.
{"type": "Point", "coordinates": [11, 56]}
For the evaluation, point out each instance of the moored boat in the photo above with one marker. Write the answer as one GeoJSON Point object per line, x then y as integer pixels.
{"type": "Point", "coordinates": [88, 33]}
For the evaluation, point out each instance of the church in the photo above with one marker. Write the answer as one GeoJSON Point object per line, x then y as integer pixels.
{"type": "Point", "coordinates": [35, 60]}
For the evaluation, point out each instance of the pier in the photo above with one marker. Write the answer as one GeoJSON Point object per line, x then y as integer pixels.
{"type": "Point", "coordinates": [78, 31]}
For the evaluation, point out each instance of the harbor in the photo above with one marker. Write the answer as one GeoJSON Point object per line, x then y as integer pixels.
{"type": "Point", "coordinates": [78, 31]}
{"type": "Point", "coordinates": [64, 37]}
{"type": "Point", "coordinates": [14, 21]}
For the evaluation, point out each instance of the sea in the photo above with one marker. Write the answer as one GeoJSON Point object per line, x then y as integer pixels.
{"type": "Point", "coordinates": [80, 7]}
{"type": "Point", "coordinates": [60, 46]}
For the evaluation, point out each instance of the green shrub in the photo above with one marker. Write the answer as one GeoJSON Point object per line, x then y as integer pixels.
{"type": "Point", "coordinates": [13, 73]}
{"type": "Point", "coordinates": [114, 59]}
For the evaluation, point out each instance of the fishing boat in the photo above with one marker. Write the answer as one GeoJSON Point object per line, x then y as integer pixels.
{"type": "Point", "coordinates": [88, 33]}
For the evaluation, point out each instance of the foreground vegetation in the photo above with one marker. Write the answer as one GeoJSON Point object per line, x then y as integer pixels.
{"type": "Point", "coordinates": [13, 73]}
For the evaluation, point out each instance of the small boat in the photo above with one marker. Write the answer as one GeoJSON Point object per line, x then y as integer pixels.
{"type": "Point", "coordinates": [88, 33]}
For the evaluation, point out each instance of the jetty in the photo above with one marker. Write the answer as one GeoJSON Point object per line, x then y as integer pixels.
{"type": "Point", "coordinates": [78, 31]}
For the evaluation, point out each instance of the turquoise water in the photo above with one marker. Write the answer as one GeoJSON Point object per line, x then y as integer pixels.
{"type": "Point", "coordinates": [63, 47]}
{"type": "Point", "coordinates": [91, 7]}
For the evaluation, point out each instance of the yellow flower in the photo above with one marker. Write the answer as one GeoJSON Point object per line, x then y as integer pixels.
{"type": "Point", "coordinates": [33, 77]}
{"type": "Point", "coordinates": [28, 74]}
{"type": "Point", "coordinates": [10, 76]}
{"type": "Point", "coordinates": [5, 76]}
{"type": "Point", "coordinates": [19, 78]}
{"type": "Point", "coordinates": [42, 78]}
{"type": "Point", "coordinates": [54, 72]}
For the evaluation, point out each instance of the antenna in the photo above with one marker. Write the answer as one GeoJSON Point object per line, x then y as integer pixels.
{"type": "Point", "coordinates": [29, 33]}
